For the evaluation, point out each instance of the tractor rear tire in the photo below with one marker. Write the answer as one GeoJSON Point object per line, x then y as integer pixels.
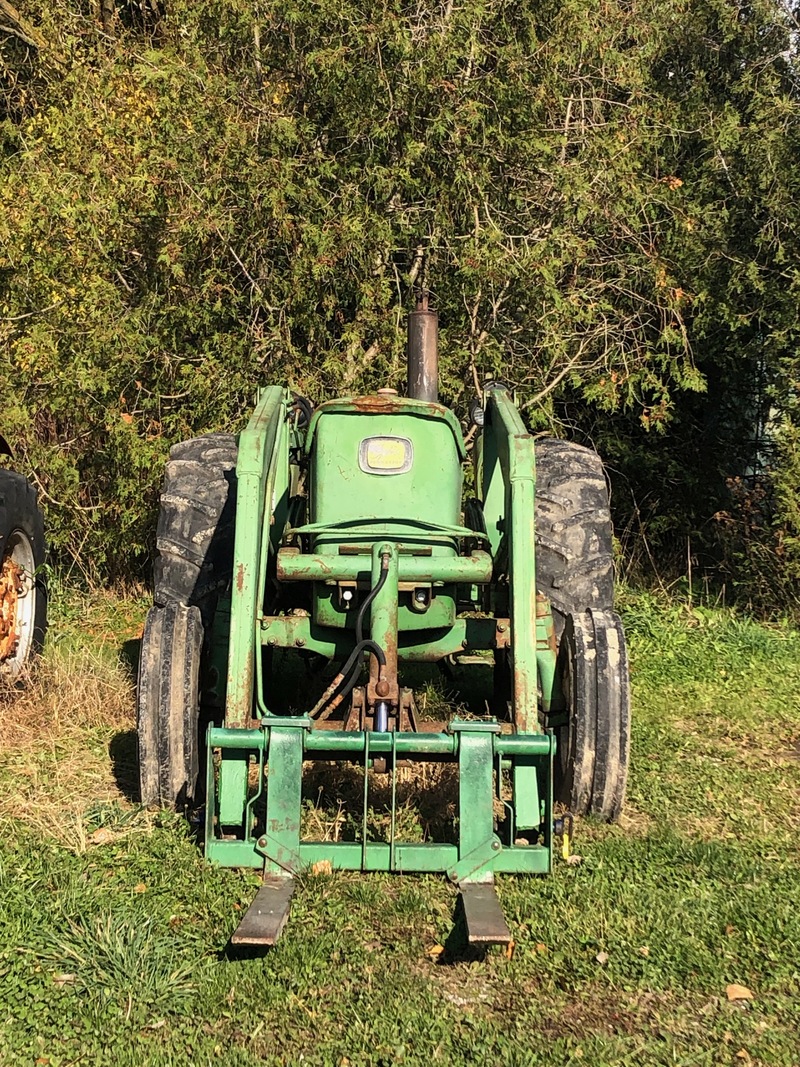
{"type": "Point", "coordinates": [169, 706]}
{"type": "Point", "coordinates": [574, 534]}
{"type": "Point", "coordinates": [194, 540]}
{"type": "Point", "coordinates": [591, 769]}
{"type": "Point", "coordinates": [23, 606]}
{"type": "Point", "coordinates": [194, 536]}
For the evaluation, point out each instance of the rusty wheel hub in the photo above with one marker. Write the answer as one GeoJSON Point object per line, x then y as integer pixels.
{"type": "Point", "coordinates": [11, 586]}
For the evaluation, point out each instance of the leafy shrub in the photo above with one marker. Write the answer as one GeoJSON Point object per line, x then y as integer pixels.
{"type": "Point", "coordinates": [201, 199]}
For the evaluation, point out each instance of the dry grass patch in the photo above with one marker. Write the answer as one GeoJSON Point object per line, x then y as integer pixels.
{"type": "Point", "coordinates": [66, 743]}
{"type": "Point", "coordinates": [426, 798]}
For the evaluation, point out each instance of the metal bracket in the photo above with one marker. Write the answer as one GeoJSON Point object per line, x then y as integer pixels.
{"type": "Point", "coordinates": [287, 722]}
{"type": "Point", "coordinates": [476, 726]}
{"type": "Point", "coordinates": [477, 865]}
{"type": "Point", "coordinates": [278, 854]}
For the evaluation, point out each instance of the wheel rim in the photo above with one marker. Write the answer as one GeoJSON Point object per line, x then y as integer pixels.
{"type": "Point", "coordinates": [17, 603]}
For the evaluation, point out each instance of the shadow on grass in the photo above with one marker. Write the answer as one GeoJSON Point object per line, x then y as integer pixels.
{"type": "Point", "coordinates": [241, 953]}
{"type": "Point", "coordinates": [457, 947]}
{"type": "Point", "coordinates": [129, 655]}
{"type": "Point", "coordinates": [123, 750]}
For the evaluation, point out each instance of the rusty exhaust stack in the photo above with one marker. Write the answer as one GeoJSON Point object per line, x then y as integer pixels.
{"type": "Point", "coordinates": [423, 350]}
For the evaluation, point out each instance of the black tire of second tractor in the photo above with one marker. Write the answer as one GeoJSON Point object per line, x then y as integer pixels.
{"type": "Point", "coordinates": [194, 544]}
{"type": "Point", "coordinates": [21, 517]}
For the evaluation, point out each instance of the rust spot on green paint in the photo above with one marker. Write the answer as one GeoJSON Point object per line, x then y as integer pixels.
{"type": "Point", "coordinates": [240, 573]}
{"type": "Point", "coordinates": [382, 404]}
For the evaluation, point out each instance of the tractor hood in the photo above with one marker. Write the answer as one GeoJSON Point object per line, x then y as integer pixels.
{"type": "Point", "coordinates": [387, 403]}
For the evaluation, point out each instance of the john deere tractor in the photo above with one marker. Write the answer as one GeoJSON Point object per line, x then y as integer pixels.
{"type": "Point", "coordinates": [342, 535]}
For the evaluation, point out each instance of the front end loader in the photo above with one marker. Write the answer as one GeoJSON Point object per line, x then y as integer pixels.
{"type": "Point", "coordinates": [340, 539]}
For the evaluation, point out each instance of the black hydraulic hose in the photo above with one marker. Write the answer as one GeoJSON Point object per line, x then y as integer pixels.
{"type": "Point", "coordinates": [352, 664]}
{"type": "Point", "coordinates": [359, 650]}
{"type": "Point", "coordinates": [303, 409]}
{"type": "Point", "coordinates": [362, 611]}
{"type": "Point", "coordinates": [352, 667]}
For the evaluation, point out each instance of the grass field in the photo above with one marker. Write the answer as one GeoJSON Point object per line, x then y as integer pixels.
{"type": "Point", "coordinates": [113, 933]}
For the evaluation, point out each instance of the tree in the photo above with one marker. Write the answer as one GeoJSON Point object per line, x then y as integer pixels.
{"type": "Point", "coordinates": [600, 195]}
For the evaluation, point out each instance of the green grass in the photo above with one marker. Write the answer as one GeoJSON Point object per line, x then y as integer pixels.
{"type": "Point", "coordinates": [113, 939]}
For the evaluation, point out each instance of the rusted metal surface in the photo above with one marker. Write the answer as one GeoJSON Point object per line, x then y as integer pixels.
{"type": "Point", "coordinates": [376, 404]}
{"type": "Point", "coordinates": [10, 589]}
{"type": "Point", "coordinates": [354, 719]}
{"type": "Point", "coordinates": [327, 703]}
{"type": "Point", "coordinates": [408, 719]}
{"type": "Point", "coordinates": [383, 685]}
{"type": "Point", "coordinates": [503, 633]}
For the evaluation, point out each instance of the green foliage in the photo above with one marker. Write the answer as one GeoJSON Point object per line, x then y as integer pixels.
{"type": "Point", "coordinates": [760, 532]}
{"type": "Point", "coordinates": [197, 203]}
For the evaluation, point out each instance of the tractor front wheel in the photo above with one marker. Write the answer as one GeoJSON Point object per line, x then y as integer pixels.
{"type": "Point", "coordinates": [194, 541]}
{"type": "Point", "coordinates": [593, 746]}
{"type": "Point", "coordinates": [169, 706]}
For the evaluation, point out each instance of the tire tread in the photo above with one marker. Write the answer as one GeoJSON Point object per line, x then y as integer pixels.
{"type": "Point", "coordinates": [573, 530]}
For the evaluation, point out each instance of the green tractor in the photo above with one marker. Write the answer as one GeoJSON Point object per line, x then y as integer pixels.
{"type": "Point", "coordinates": [342, 535]}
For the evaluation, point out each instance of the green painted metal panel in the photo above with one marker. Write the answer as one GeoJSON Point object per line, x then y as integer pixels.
{"type": "Point", "coordinates": [510, 449]}
{"type": "Point", "coordinates": [527, 805]}
{"type": "Point", "coordinates": [340, 491]}
{"type": "Point", "coordinates": [377, 856]}
{"type": "Point", "coordinates": [409, 858]}
{"type": "Point", "coordinates": [352, 742]}
{"type": "Point", "coordinates": [281, 841]}
{"type": "Point", "coordinates": [259, 446]}
{"type": "Point", "coordinates": [440, 614]}
{"type": "Point", "coordinates": [525, 745]}
{"type": "Point", "coordinates": [299, 566]}
{"type": "Point", "coordinates": [289, 631]}
{"type": "Point", "coordinates": [377, 404]}
{"type": "Point", "coordinates": [535, 859]}
{"type": "Point", "coordinates": [233, 853]}
{"type": "Point", "coordinates": [477, 844]}
{"type": "Point", "coordinates": [232, 788]}
{"type": "Point", "coordinates": [383, 610]}
{"type": "Point", "coordinates": [405, 745]}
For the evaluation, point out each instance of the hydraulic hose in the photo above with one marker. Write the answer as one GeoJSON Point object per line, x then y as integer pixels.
{"type": "Point", "coordinates": [362, 611]}
{"type": "Point", "coordinates": [352, 666]}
